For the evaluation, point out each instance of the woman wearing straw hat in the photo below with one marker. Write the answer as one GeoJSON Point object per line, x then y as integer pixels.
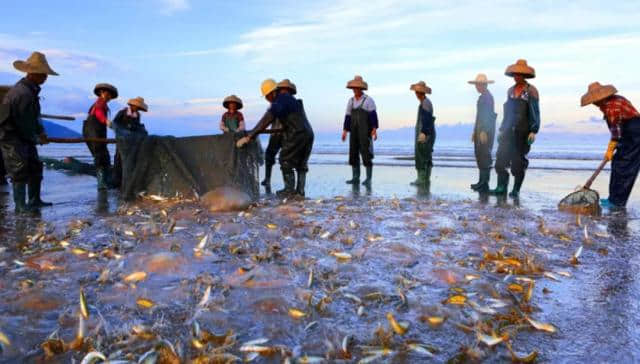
{"type": "Point", "coordinates": [125, 124]}
{"type": "Point", "coordinates": [361, 121]}
{"type": "Point", "coordinates": [232, 120]}
{"type": "Point", "coordinates": [297, 137]}
{"type": "Point", "coordinates": [520, 124]}
{"type": "Point", "coordinates": [623, 121]}
{"type": "Point", "coordinates": [425, 135]}
{"type": "Point", "coordinates": [21, 130]}
{"type": "Point", "coordinates": [483, 132]}
{"type": "Point", "coordinates": [95, 126]}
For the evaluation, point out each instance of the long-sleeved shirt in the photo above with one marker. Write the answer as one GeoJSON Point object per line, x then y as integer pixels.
{"type": "Point", "coordinates": [485, 114]}
{"type": "Point", "coordinates": [617, 110]}
{"type": "Point", "coordinates": [425, 115]}
{"type": "Point", "coordinates": [530, 95]}
{"type": "Point", "coordinates": [100, 110]}
{"type": "Point", "coordinates": [127, 121]}
{"type": "Point", "coordinates": [367, 104]}
{"type": "Point", "coordinates": [24, 111]}
{"type": "Point", "coordinates": [228, 117]}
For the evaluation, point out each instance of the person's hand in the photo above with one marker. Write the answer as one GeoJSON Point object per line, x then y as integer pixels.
{"type": "Point", "coordinates": [531, 138]}
{"type": "Point", "coordinates": [374, 134]}
{"type": "Point", "coordinates": [42, 138]}
{"type": "Point", "coordinates": [109, 124]}
{"type": "Point", "coordinates": [242, 141]}
{"type": "Point", "coordinates": [344, 135]}
{"type": "Point", "coordinates": [422, 138]}
{"type": "Point", "coordinates": [483, 137]}
{"type": "Point", "coordinates": [608, 155]}
{"type": "Point", "coordinates": [473, 137]}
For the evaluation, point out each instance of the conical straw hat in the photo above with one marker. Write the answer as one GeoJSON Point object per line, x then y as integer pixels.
{"type": "Point", "coordinates": [288, 84]}
{"type": "Point", "coordinates": [232, 98]}
{"type": "Point", "coordinates": [139, 103]}
{"type": "Point", "coordinates": [597, 92]}
{"type": "Point", "coordinates": [36, 63]}
{"type": "Point", "coordinates": [481, 78]}
{"type": "Point", "coordinates": [357, 82]}
{"type": "Point", "coordinates": [420, 87]}
{"type": "Point", "coordinates": [521, 67]}
{"type": "Point", "coordinates": [105, 86]}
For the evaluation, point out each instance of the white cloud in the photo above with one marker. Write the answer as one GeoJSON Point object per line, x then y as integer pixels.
{"type": "Point", "coordinates": [169, 7]}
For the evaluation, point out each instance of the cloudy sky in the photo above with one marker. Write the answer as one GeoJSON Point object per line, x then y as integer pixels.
{"type": "Point", "coordinates": [184, 56]}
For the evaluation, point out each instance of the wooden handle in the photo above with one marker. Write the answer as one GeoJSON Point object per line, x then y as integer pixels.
{"type": "Point", "coordinates": [80, 140]}
{"type": "Point", "coordinates": [57, 117]}
{"type": "Point", "coordinates": [595, 174]}
{"type": "Point", "coordinates": [271, 131]}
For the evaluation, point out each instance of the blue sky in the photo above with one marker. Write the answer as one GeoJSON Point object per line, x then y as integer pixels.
{"type": "Point", "coordinates": [185, 56]}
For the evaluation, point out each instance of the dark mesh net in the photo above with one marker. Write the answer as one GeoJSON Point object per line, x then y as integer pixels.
{"type": "Point", "coordinates": [584, 201]}
{"type": "Point", "coordinates": [190, 166]}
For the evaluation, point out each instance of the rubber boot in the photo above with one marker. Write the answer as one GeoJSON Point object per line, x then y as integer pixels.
{"type": "Point", "coordinates": [111, 184]}
{"type": "Point", "coordinates": [289, 178]}
{"type": "Point", "coordinates": [34, 195]}
{"type": "Point", "coordinates": [356, 175]}
{"type": "Point", "coordinates": [483, 184]}
{"type": "Point", "coordinates": [101, 177]}
{"type": "Point", "coordinates": [19, 198]}
{"type": "Point", "coordinates": [517, 183]}
{"type": "Point", "coordinates": [267, 175]}
{"type": "Point", "coordinates": [367, 182]}
{"type": "Point", "coordinates": [427, 176]}
{"type": "Point", "coordinates": [302, 179]}
{"type": "Point", "coordinates": [421, 178]}
{"type": "Point", "coordinates": [3, 181]}
{"type": "Point", "coordinates": [477, 184]}
{"type": "Point", "coordinates": [503, 185]}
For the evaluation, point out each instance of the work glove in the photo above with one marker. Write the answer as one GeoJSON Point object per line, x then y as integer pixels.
{"type": "Point", "coordinates": [344, 135]}
{"type": "Point", "coordinates": [242, 141]}
{"type": "Point", "coordinates": [531, 138]}
{"type": "Point", "coordinates": [374, 134]}
{"type": "Point", "coordinates": [109, 124]}
{"type": "Point", "coordinates": [483, 137]}
{"type": "Point", "coordinates": [422, 138]}
{"type": "Point", "coordinates": [610, 149]}
{"type": "Point", "coordinates": [42, 138]}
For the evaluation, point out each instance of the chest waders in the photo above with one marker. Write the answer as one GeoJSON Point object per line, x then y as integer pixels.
{"type": "Point", "coordinates": [625, 164]}
{"type": "Point", "coordinates": [423, 152]}
{"type": "Point", "coordinates": [93, 128]}
{"type": "Point", "coordinates": [513, 147]}
{"type": "Point", "coordinates": [360, 144]}
{"type": "Point", "coordinates": [483, 151]}
{"type": "Point", "coordinates": [275, 143]}
{"type": "Point", "coordinates": [297, 142]}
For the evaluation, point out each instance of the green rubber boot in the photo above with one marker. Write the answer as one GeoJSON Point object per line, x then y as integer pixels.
{"type": "Point", "coordinates": [503, 185]}
{"type": "Point", "coordinates": [367, 182]}
{"type": "Point", "coordinates": [483, 185]}
{"type": "Point", "coordinates": [517, 183]}
{"type": "Point", "coordinates": [355, 170]}
{"type": "Point", "coordinates": [420, 181]}
{"type": "Point", "coordinates": [20, 197]}
{"type": "Point", "coordinates": [427, 176]}
{"type": "Point", "coordinates": [289, 178]}
{"type": "Point", "coordinates": [302, 179]}
{"type": "Point", "coordinates": [34, 195]}
{"type": "Point", "coordinates": [267, 175]}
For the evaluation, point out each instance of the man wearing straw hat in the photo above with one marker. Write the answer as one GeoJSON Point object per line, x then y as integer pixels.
{"type": "Point", "coordinates": [361, 121]}
{"type": "Point", "coordinates": [623, 121]}
{"type": "Point", "coordinates": [21, 129]}
{"type": "Point", "coordinates": [125, 124]}
{"type": "Point", "coordinates": [520, 124]}
{"type": "Point", "coordinates": [297, 137]}
{"type": "Point", "coordinates": [483, 132]}
{"type": "Point", "coordinates": [425, 135]}
{"type": "Point", "coordinates": [95, 126]}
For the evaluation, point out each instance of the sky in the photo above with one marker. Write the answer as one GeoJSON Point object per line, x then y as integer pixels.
{"type": "Point", "coordinates": [185, 56]}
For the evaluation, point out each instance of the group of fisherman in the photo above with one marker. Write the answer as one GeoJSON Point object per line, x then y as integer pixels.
{"type": "Point", "coordinates": [292, 135]}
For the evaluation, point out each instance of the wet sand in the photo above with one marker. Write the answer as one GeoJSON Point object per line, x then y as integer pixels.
{"type": "Point", "coordinates": [409, 253]}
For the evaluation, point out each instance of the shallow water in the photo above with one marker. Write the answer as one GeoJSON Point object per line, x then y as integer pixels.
{"type": "Point", "coordinates": [402, 242]}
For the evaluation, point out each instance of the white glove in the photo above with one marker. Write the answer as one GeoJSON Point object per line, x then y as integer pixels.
{"type": "Point", "coordinates": [242, 141]}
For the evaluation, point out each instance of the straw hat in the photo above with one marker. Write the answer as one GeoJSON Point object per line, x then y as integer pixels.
{"type": "Point", "coordinates": [357, 82]}
{"type": "Point", "coordinates": [288, 84]}
{"type": "Point", "coordinates": [597, 92]}
{"type": "Point", "coordinates": [420, 87]}
{"type": "Point", "coordinates": [105, 86]}
{"type": "Point", "coordinates": [36, 63]}
{"type": "Point", "coordinates": [232, 98]}
{"type": "Point", "coordinates": [482, 79]}
{"type": "Point", "coordinates": [139, 103]}
{"type": "Point", "coordinates": [521, 67]}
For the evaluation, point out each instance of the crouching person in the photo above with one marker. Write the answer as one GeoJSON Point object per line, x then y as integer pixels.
{"type": "Point", "coordinates": [127, 123]}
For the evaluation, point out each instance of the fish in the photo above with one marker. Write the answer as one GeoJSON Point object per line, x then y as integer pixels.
{"type": "Point", "coordinates": [341, 255]}
{"type": "Point", "coordinates": [310, 278]}
{"type": "Point", "coordinates": [93, 357]}
{"type": "Point", "coordinates": [360, 311]}
{"type": "Point", "coordinates": [541, 326]}
{"type": "Point", "coordinates": [271, 226]}
{"type": "Point", "coordinates": [296, 314]}
{"type": "Point", "coordinates": [353, 297]}
{"type": "Point", "coordinates": [456, 300]}
{"type": "Point", "coordinates": [135, 277]}
{"type": "Point", "coordinates": [515, 288]}
{"type": "Point", "coordinates": [482, 309]}
{"type": "Point", "coordinates": [576, 255]}
{"type": "Point", "coordinates": [205, 297]}
{"type": "Point", "coordinates": [551, 275]}
{"type": "Point", "coordinates": [470, 277]}
{"type": "Point", "coordinates": [310, 360]}
{"type": "Point", "coordinates": [84, 310]}
{"type": "Point", "coordinates": [529, 292]}
{"type": "Point", "coordinates": [311, 325]}
{"type": "Point", "coordinates": [420, 349]}
{"type": "Point", "coordinates": [489, 340]}
{"type": "Point", "coordinates": [157, 198]}
{"type": "Point", "coordinates": [150, 357]}
{"type": "Point", "coordinates": [398, 328]}
{"type": "Point", "coordinates": [325, 235]}
{"type": "Point", "coordinates": [145, 302]}
{"type": "Point", "coordinates": [345, 343]}
{"type": "Point", "coordinates": [434, 321]}
{"type": "Point", "coordinates": [4, 339]}
{"type": "Point", "coordinates": [202, 243]}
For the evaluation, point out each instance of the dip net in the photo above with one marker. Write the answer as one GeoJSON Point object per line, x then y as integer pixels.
{"type": "Point", "coordinates": [584, 201]}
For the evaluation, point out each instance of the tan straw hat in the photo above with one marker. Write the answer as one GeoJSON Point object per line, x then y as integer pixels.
{"type": "Point", "coordinates": [521, 67]}
{"type": "Point", "coordinates": [597, 92]}
{"type": "Point", "coordinates": [288, 84]}
{"type": "Point", "coordinates": [482, 79]}
{"type": "Point", "coordinates": [36, 63]}
{"type": "Point", "coordinates": [139, 103]}
{"type": "Point", "coordinates": [357, 82]}
{"type": "Point", "coordinates": [420, 87]}
{"type": "Point", "coordinates": [105, 86]}
{"type": "Point", "coordinates": [232, 98]}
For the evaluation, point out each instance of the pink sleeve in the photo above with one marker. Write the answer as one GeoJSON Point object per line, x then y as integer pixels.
{"type": "Point", "coordinates": [100, 111]}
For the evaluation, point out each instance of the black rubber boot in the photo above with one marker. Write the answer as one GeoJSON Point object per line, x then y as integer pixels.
{"type": "Point", "coordinates": [427, 176]}
{"type": "Point", "coordinates": [267, 175]}
{"type": "Point", "coordinates": [367, 182]}
{"type": "Point", "coordinates": [517, 183]}
{"type": "Point", "coordinates": [420, 181]}
{"type": "Point", "coordinates": [483, 185]}
{"type": "Point", "coordinates": [34, 195]}
{"type": "Point", "coordinates": [19, 198]}
{"type": "Point", "coordinates": [302, 179]}
{"type": "Point", "coordinates": [356, 175]}
{"type": "Point", "coordinates": [3, 181]}
{"type": "Point", "coordinates": [101, 177]}
{"type": "Point", "coordinates": [289, 178]}
{"type": "Point", "coordinates": [503, 185]}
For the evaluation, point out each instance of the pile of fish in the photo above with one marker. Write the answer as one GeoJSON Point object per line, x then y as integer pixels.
{"type": "Point", "coordinates": [308, 281]}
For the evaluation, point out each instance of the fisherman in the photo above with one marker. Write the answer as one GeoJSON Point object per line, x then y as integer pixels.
{"type": "Point", "coordinates": [95, 126]}
{"type": "Point", "coordinates": [21, 129]}
{"type": "Point", "coordinates": [275, 139]}
{"type": "Point", "coordinates": [623, 121]}
{"type": "Point", "coordinates": [520, 124]}
{"type": "Point", "coordinates": [232, 120]}
{"type": "Point", "coordinates": [425, 135]}
{"type": "Point", "coordinates": [126, 123]}
{"type": "Point", "coordinates": [483, 132]}
{"type": "Point", "coordinates": [361, 120]}
{"type": "Point", "coordinates": [297, 136]}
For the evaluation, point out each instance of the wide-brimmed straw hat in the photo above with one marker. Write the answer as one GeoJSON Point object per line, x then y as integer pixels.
{"type": "Point", "coordinates": [357, 82]}
{"type": "Point", "coordinates": [420, 87]}
{"type": "Point", "coordinates": [232, 98]}
{"type": "Point", "coordinates": [105, 86]}
{"type": "Point", "coordinates": [481, 78]}
{"type": "Point", "coordinates": [139, 103]}
{"type": "Point", "coordinates": [597, 92]}
{"type": "Point", "coordinates": [288, 84]}
{"type": "Point", "coordinates": [36, 63]}
{"type": "Point", "coordinates": [521, 67]}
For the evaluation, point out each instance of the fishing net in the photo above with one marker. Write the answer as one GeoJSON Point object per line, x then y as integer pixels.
{"type": "Point", "coordinates": [187, 167]}
{"type": "Point", "coordinates": [69, 164]}
{"type": "Point", "coordinates": [584, 201]}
